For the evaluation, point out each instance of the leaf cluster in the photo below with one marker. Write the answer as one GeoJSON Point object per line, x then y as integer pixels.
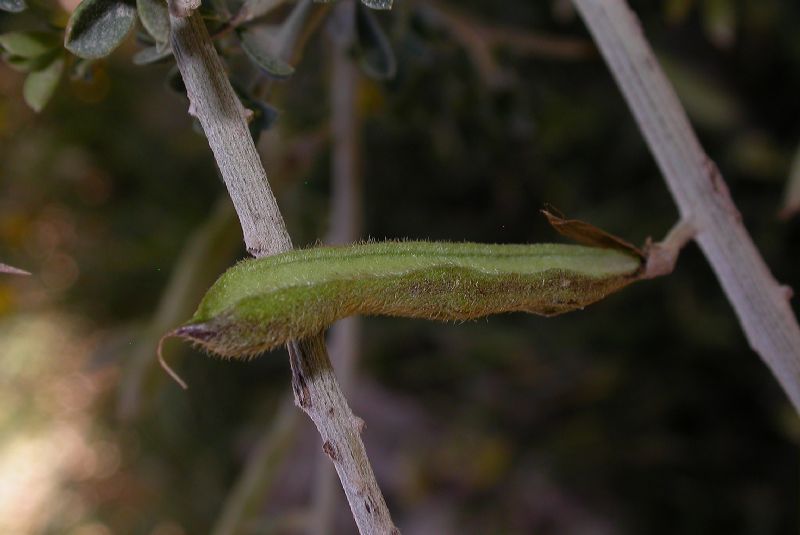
{"type": "Point", "coordinates": [256, 31]}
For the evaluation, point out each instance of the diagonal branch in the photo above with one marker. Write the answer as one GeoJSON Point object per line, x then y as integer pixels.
{"type": "Point", "coordinates": [761, 304]}
{"type": "Point", "coordinates": [214, 103]}
{"type": "Point", "coordinates": [216, 106]}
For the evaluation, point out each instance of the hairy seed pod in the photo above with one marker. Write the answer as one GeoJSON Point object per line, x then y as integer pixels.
{"type": "Point", "coordinates": [262, 303]}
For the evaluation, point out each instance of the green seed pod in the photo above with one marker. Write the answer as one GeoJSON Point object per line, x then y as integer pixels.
{"type": "Point", "coordinates": [262, 303]}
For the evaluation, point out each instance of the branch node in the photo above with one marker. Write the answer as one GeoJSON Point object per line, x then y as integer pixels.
{"type": "Point", "coordinates": [359, 423]}
{"type": "Point", "coordinates": [661, 257]}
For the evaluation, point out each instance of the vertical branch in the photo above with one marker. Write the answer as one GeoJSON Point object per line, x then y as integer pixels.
{"type": "Point", "coordinates": [761, 304]}
{"type": "Point", "coordinates": [320, 397]}
{"type": "Point", "coordinates": [345, 226]}
{"type": "Point", "coordinates": [214, 103]}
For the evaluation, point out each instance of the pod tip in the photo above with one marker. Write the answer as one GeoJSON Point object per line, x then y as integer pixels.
{"type": "Point", "coordinates": [172, 373]}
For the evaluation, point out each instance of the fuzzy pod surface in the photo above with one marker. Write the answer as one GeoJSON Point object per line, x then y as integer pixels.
{"type": "Point", "coordinates": [262, 303]}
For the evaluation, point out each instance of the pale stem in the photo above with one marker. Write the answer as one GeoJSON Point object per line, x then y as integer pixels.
{"type": "Point", "coordinates": [214, 103]}
{"type": "Point", "coordinates": [699, 190]}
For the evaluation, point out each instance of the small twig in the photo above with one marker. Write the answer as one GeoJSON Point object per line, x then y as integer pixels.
{"type": "Point", "coordinates": [316, 390]}
{"type": "Point", "coordinates": [699, 190]}
{"type": "Point", "coordinates": [662, 256]}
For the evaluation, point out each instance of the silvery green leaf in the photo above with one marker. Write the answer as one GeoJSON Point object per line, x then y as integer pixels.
{"type": "Point", "coordinates": [259, 53]}
{"type": "Point", "coordinates": [13, 6]}
{"type": "Point", "coordinates": [151, 54]}
{"type": "Point", "coordinates": [97, 27]}
{"type": "Point", "coordinates": [29, 44]}
{"type": "Point", "coordinates": [374, 50]}
{"type": "Point", "coordinates": [155, 18]}
{"type": "Point", "coordinates": [252, 9]}
{"type": "Point", "coordinates": [291, 27]}
{"type": "Point", "coordinates": [41, 85]}
{"type": "Point", "coordinates": [378, 4]}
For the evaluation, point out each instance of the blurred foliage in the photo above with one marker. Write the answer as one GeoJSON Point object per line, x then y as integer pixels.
{"type": "Point", "coordinates": [647, 413]}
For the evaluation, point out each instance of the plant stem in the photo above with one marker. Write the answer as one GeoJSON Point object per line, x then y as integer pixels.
{"type": "Point", "coordinates": [318, 394]}
{"type": "Point", "coordinates": [761, 304]}
{"type": "Point", "coordinates": [214, 103]}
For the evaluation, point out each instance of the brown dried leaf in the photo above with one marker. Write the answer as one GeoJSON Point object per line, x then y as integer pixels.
{"type": "Point", "coordinates": [587, 234]}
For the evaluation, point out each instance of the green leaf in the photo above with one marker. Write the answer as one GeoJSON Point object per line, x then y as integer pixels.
{"type": "Point", "coordinates": [261, 303]}
{"type": "Point", "coordinates": [21, 64]}
{"type": "Point", "coordinates": [151, 54]}
{"type": "Point", "coordinates": [155, 18]}
{"type": "Point", "coordinates": [29, 44]}
{"type": "Point", "coordinates": [375, 53]}
{"type": "Point", "coordinates": [253, 9]}
{"type": "Point", "coordinates": [378, 4]}
{"type": "Point", "coordinates": [97, 27]}
{"type": "Point", "coordinates": [41, 85]}
{"type": "Point", "coordinates": [256, 48]}
{"type": "Point", "coordinates": [13, 6]}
